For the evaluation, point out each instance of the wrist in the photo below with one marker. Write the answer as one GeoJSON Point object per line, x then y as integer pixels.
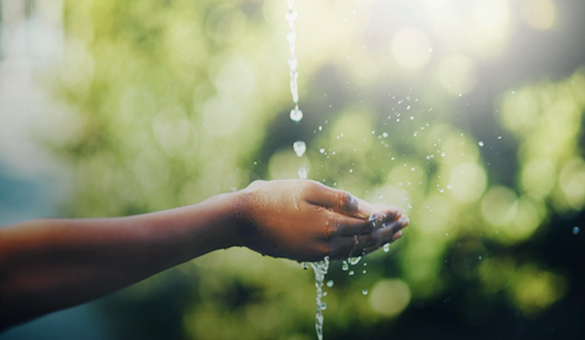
{"type": "Point", "coordinates": [241, 216]}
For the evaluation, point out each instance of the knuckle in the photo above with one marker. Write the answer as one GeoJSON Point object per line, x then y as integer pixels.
{"type": "Point", "coordinates": [332, 230]}
{"type": "Point", "coordinates": [344, 200]}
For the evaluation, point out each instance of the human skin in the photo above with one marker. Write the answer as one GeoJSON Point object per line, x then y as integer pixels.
{"type": "Point", "coordinates": [52, 264]}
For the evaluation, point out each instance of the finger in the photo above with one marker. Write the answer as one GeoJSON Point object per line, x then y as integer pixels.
{"type": "Point", "coordinates": [358, 245]}
{"type": "Point", "coordinates": [394, 238]}
{"type": "Point", "coordinates": [348, 246]}
{"type": "Point", "coordinates": [383, 214]}
{"type": "Point", "coordinates": [386, 233]}
{"type": "Point", "coordinates": [342, 225]}
{"type": "Point", "coordinates": [339, 201]}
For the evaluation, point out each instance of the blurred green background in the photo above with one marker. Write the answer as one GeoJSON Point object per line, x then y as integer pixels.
{"type": "Point", "coordinates": [466, 114]}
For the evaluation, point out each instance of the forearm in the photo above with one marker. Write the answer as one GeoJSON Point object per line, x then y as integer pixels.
{"type": "Point", "coordinates": [53, 264]}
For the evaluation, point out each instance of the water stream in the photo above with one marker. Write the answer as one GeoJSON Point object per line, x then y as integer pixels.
{"type": "Point", "coordinates": [320, 268]}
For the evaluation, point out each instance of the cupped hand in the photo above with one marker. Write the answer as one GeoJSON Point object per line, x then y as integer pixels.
{"type": "Point", "coordinates": [304, 220]}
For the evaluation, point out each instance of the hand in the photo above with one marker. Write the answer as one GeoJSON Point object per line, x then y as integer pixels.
{"type": "Point", "coordinates": [306, 221]}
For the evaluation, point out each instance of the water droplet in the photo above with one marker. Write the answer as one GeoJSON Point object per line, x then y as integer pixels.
{"type": "Point", "coordinates": [351, 273]}
{"type": "Point", "coordinates": [408, 108]}
{"type": "Point", "coordinates": [446, 234]}
{"type": "Point", "coordinates": [302, 172]}
{"type": "Point", "coordinates": [354, 260]}
{"type": "Point", "coordinates": [320, 128]}
{"type": "Point", "coordinates": [330, 283]}
{"type": "Point", "coordinates": [321, 150]}
{"type": "Point", "coordinates": [480, 143]}
{"type": "Point", "coordinates": [576, 230]}
{"type": "Point", "coordinates": [386, 247]}
{"type": "Point", "coordinates": [364, 271]}
{"type": "Point", "coordinates": [300, 147]}
{"type": "Point", "coordinates": [323, 305]}
{"type": "Point", "coordinates": [344, 266]}
{"type": "Point", "coordinates": [296, 114]}
{"type": "Point", "coordinates": [385, 134]}
{"type": "Point", "coordinates": [365, 291]}
{"type": "Point", "coordinates": [499, 137]}
{"type": "Point", "coordinates": [481, 258]}
{"type": "Point", "coordinates": [305, 265]}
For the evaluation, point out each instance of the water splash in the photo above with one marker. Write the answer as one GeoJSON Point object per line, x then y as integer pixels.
{"type": "Point", "coordinates": [354, 260]}
{"type": "Point", "coordinates": [320, 269]}
{"type": "Point", "coordinates": [345, 266]}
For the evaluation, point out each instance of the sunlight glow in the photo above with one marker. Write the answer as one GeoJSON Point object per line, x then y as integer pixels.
{"type": "Point", "coordinates": [541, 15]}
{"type": "Point", "coordinates": [411, 48]}
{"type": "Point", "coordinates": [390, 297]}
{"type": "Point", "coordinates": [457, 73]}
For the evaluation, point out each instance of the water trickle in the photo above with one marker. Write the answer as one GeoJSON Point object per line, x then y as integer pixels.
{"type": "Point", "coordinates": [320, 269]}
{"type": "Point", "coordinates": [291, 15]}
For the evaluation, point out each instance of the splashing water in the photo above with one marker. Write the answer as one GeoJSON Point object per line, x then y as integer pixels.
{"type": "Point", "coordinates": [354, 260]}
{"type": "Point", "coordinates": [320, 269]}
{"type": "Point", "coordinates": [345, 266]}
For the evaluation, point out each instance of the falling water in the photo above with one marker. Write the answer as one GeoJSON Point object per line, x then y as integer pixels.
{"type": "Point", "coordinates": [320, 268]}
{"type": "Point", "coordinates": [291, 15]}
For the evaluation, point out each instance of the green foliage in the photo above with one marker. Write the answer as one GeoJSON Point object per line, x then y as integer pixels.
{"type": "Point", "coordinates": [175, 101]}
